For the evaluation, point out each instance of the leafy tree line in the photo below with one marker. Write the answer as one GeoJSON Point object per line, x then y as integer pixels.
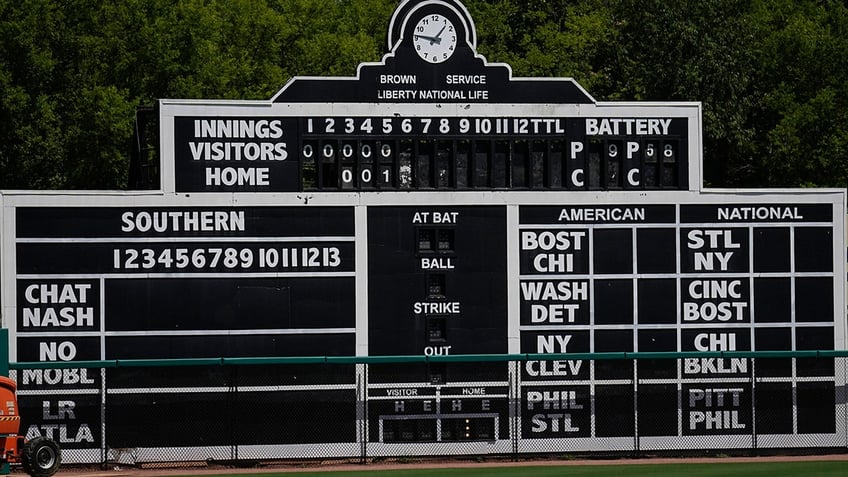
{"type": "Point", "coordinates": [772, 74]}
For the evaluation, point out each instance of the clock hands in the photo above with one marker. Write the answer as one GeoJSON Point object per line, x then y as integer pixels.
{"type": "Point", "coordinates": [437, 40]}
{"type": "Point", "coordinates": [433, 39]}
{"type": "Point", "coordinates": [439, 35]}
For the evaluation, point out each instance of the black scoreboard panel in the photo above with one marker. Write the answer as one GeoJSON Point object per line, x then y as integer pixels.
{"type": "Point", "coordinates": [283, 415]}
{"type": "Point", "coordinates": [453, 294]}
{"type": "Point", "coordinates": [443, 414]}
{"type": "Point", "coordinates": [665, 277]}
{"type": "Point", "coordinates": [435, 290]}
{"type": "Point", "coordinates": [420, 152]}
{"type": "Point", "coordinates": [155, 282]}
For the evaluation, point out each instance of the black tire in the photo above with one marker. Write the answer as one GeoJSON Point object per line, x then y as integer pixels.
{"type": "Point", "coordinates": [41, 457]}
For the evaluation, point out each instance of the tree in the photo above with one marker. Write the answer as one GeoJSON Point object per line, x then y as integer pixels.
{"type": "Point", "coordinates": [802, 79]}
{"type": "Point", "coordinates": [771, 74]}
{"type": "Point", "coordinates": [72, 73]}
{"type": "Point", "coordinates": [547, 38]}
{"type": "Point", "coordinates": [31, 139]}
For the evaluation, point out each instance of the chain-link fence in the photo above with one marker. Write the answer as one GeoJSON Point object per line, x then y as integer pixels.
{"type": "Point", "coordinates": [254, 410]}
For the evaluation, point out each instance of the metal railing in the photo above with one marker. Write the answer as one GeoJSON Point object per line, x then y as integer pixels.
{"type": "Point", "coordinates": [247, 410]}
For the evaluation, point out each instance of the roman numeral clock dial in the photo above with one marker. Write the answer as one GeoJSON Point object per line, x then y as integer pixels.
{"type": "Point", "coordinates": [434, 38]}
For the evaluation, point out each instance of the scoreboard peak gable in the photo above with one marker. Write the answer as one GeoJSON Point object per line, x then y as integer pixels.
{"type": "Point", "coordinates": [452, 72]}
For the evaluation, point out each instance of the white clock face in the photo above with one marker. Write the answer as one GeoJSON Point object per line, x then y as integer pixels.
{"type": "Point", "coordinates": [434, 38]}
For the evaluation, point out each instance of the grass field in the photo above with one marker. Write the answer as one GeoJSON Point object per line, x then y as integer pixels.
{"type": "Point", "coordinates": [741, 469]}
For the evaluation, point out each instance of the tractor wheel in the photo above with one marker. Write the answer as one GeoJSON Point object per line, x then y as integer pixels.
{"type": "Point", "coordinates": [41, 457]}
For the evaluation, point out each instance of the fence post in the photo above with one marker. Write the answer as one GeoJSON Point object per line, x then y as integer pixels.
{"type": "Point", "coordinates": [4, 351]}
{"type": "Point", "coordinates": [840, 374]}
{"type": "Point", "coordinates": [513, 374]}
{"type": "Point", "coordinates": [361, 375]}
{"type": "Point", "coordinates": [236, 429]}
{"type": "Point", "coordinates": [636, 445]}
{"type": "Point", "coordinates": [754, 406]}
{"type": "Point", "coordinates": [842, 396]}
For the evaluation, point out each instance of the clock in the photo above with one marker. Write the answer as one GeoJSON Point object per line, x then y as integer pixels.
{"type": "Point", "coordinates": [434, 38]}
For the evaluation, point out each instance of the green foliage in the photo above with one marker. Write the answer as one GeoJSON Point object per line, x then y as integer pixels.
{"type": "Point", "coordinates": [546, 38]}
{"type": "Point", "coordinates": [803, 86]}
{"type": "Point", "coordinates": [772, 74]}
{"type": "Point", "coordinates": [693, 50]}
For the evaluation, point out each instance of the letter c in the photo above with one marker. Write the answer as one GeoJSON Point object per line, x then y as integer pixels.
{"type": "Point", "coordinates": [574, 177]}
{"type": "Point", "coordinates": [630, 174]}
{"type": "Point", "coordinates": [29, 296]}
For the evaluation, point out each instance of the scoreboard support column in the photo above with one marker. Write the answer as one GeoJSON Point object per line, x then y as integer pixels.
{"type": "Point", "coordinates": [362, 282]}
{"type": "Point", "coordinates": [512, 276]}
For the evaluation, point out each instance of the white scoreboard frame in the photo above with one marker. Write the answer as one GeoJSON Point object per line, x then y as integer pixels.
{"type": "Point", "coordinates": [168, 196]}
{"type": "Point", "coordinates": [360, 201]}
{"type": "Point", "coordinates": [267, 109]}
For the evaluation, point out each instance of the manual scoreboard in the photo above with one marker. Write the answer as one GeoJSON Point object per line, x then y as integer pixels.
{"type": "Point", "coordinates": [433, 205]}
{"type": "Point", "coordinates": [438, 153]}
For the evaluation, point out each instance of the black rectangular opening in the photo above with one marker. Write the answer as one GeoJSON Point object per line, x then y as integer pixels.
{"type": "Point", "coordinates": [482, 156]}
{"type": "Point", "coordinates": [446, 240]}
{"type": "Point", "coordinates": [405, 164]}
{"type": "Point", "coordinates": [649, 170]}
{"type": "Point", "coordinates": [409, 430]}
{"type": "Point", "coordinates": [669, 164]}
{"type": "Point", "coordinates": [436, 285]}
{"type": "Point", "coordinates": [329, 165]}
{"type": "Point", "coordinates": [444, 167]}
{"type": "Point", "coordinates": [437, 373]}
{"type": "Point", "coordinates": [518, 161]}
{"type": "Point", "coordinates": [385, 152]}
{"type": "Point", "coordinates": [538, 156]}
{"type": "Point", "coordinates": [426, 240]}
{"type": "Point", "coordinates": [437, 329]}
{"type": "Point", "coordinates": [424, 164]}
{"type": "Point", "coordinates": [468, 429]}
{"type": "Point", "coordinates": [595, 164]}
{"type": "Point", "coordinates": [309, 174]}
{"type": "Point", "coordinates": [500, 165]}
{"type": "Point", "coordinates": [463, 164]}
{"type": "Point", "coordinates": [614, 151]}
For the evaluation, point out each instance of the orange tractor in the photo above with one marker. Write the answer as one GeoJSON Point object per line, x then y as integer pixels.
{"type": "Point", "coordinates": [40, 457]}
